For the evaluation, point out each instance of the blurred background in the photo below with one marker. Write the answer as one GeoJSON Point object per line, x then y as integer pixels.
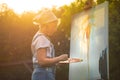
{"type": "Point", "coordinates": [17, 31]}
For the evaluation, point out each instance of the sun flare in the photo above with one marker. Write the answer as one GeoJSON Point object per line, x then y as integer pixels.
{"type": "Point", "coordinates": [19, 6]}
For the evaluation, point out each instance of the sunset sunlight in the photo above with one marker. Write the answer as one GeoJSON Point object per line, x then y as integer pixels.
{"type": "Point", "coordinates": [19, 6]}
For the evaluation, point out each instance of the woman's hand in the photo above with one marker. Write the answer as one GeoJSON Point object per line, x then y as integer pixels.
{"type": "Point", "coordinates": [63, 57]}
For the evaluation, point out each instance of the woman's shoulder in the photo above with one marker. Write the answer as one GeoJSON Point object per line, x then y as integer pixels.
{"type": "Point", "coordinates": [41, 37]}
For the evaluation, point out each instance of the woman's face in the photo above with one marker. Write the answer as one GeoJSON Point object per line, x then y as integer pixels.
{"type": "Point", "coordinates": [51, 27]}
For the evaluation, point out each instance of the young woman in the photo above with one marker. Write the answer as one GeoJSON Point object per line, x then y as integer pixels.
{"type": "Point", "coordinates": [44, 60]}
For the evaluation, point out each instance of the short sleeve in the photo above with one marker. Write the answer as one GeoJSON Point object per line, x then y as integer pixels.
{"type": "Point", "coordinates": [41, 42]}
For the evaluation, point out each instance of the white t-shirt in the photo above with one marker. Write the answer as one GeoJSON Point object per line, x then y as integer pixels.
{"type": "Point", "coordinates": [41, 41]}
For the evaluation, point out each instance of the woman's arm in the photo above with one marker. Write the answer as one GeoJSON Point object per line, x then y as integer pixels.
{"type": "Point", "coordinates": [44, 61]}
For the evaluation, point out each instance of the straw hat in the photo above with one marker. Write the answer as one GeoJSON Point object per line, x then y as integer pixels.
{"type": "Point", "coordinates": [44, 17]}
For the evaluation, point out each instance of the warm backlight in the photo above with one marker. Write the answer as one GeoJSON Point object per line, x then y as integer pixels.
{"type": "Point", "coordinates": [19, 6]}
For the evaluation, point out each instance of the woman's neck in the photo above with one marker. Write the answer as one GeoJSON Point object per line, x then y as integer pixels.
{"type": "Point", "coordinates": [44, 32]}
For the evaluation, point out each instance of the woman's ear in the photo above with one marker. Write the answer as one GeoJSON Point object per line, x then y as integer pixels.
{"type": "Point", "coordinates": [45, 27]}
